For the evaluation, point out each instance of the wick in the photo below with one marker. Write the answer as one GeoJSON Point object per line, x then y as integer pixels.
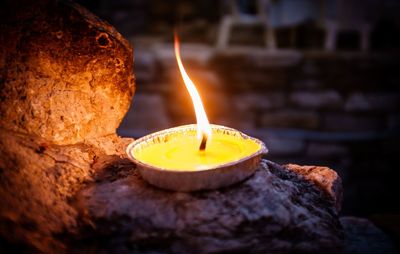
{"type": "Point", "coordinates": [203, 142]}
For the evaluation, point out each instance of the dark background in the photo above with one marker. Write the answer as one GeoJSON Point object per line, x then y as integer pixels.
{"type": "Point", "coordinates": [336, 106]}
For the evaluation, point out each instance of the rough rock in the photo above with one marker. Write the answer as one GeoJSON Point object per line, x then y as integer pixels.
{"type": "Point", "coordinates": [325, 178]}
{"type": "Point", "coordinates": [65, 84]}
{"type": "Point", "coordinates": [277, 210]}
{"type": "Point", "coordinates": [65, 75]}
{"type": "Point", "coordinates": [38, 180]}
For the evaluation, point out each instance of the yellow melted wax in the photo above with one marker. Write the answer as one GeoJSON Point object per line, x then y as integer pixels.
{"type": "Point", "coordinates": [181, 151]}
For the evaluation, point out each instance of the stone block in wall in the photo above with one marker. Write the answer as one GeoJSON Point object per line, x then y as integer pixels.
{"type": "Point", "coordinates": [280, 144]}
{"type": "Point", "coordinates": [245, 80]}
{"type": "Point", "coordinates": [243, 121]}
{"type": "Point", "coordinates": [326, 150]}
{"type": "Point", "coordinates": [263, 80]}
{"type": "Point", "coordinates": [147, 114]}
{"type": "Point", "coordinates": [216, 104]}
{"type": "Point", "coordinates": [262, 59]}
{"type": "Point", "coordinates": [359, 101]}
{"type": "Point", "coordinates": [257, 57]}
{"type": "Point", "coordinates": [204, 78]}
{"type": "Point", "coordinates": [309, 67]}
{"type": "Point", "coordinates": [145, 66]}
{"type": "Point", "coordinates": [329, 99]}
{"type": "Point", "coordinates": [195, 55]}
{"type": "Point", "coordinates": [340, 70]}
{"type": "Point", "coordinates": [245, 69]}
{"type": "Point", "coordinates": [307, 83]}
{"type": "Point", "coordinates": [252, 101]}
{"type": "Point", "coordinates": [352, 122]}
{"type": "Point", "coordinates": [290, 118]}
{"type": "Point", "coordinates": [394, 122]}
{"type": "Point", "coordinates": [213, 95]}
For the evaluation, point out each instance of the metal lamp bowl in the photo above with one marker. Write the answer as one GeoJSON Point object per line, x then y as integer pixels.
{"type": "Point", "coordinates": [204, 179]}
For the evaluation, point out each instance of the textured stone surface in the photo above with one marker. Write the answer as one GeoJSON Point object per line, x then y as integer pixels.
{"type": "Point", "coordinates": [279, 209]}
{"type": "Point", "coordinates": [65, 75]}
{"type": "Point", "coordinates": [38, 179]}
{"type": "Point", "coordinates": [65, 83]}
{"type": "Point", "coordinates": [325, 178]}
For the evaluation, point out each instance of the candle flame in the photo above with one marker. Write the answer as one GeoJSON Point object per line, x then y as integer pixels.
{"type": "Point", "coordinates": [203, 126]}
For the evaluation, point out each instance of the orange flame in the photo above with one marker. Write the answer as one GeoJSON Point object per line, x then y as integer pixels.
{"type": "Point", "coordinates": [203, 126]}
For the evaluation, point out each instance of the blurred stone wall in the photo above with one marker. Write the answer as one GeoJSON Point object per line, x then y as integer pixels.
{"type": "Point", "coordinates": [334, 109]}
{"type": "Point", "coordinates": [339, 109]}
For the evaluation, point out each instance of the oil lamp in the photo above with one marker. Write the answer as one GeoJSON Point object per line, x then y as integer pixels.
{"type": "Point", "coordinates": [195, 157]}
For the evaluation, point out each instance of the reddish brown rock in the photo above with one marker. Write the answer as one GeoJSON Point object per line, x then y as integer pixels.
{"type": "Point", "coordinates": [65, 75]}
{"type": "Point", "coordinates": [65, 84]}
{"type": "Point", "coordinates": [325, 178]}
{"type": "Point", "coordinates": [37, 181]}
